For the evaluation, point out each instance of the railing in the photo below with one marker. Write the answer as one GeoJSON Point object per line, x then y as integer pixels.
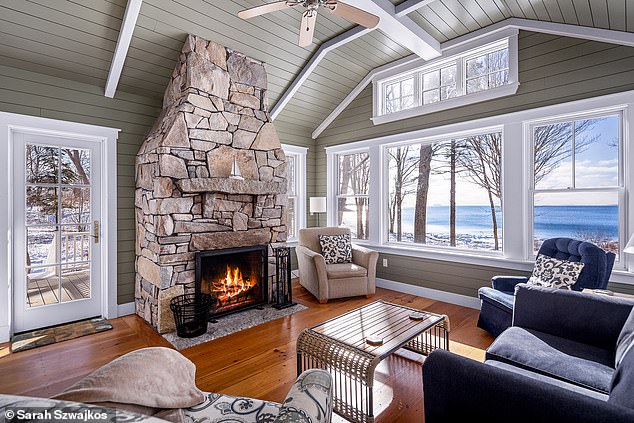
{"type": "Point", "coordinates": [74, 251]}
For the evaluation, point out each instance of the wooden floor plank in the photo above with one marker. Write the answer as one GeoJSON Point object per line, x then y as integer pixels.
{"type": "Point", "coordinates": [258, 362]}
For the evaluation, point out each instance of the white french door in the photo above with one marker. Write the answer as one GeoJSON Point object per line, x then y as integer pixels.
{"type": "Point", "coordinates": [56, 215]}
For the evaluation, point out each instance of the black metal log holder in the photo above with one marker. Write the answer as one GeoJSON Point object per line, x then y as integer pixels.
{"type": "Point", "coordinates": [284, 292]}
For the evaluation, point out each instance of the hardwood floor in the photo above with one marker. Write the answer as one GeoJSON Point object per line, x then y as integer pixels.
{"type": "Point", "coordinates": [257, 362]}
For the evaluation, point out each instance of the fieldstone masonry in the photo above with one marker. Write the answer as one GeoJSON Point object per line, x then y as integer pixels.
{"type": "Point", "coordinates": [214, 114]}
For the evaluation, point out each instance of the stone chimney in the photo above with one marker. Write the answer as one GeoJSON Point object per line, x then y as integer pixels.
{"type": "Point", "coordinates": [214, 123]}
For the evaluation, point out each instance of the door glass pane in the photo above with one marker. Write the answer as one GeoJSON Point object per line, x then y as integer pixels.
{"type": "Point", "coordinates": [74, 246]}
{"type": "Point", "coordinates": [42, 286]}
{"type": "Point", "coordinates": [75, 166]}
{"type": "Point", "coordinates": [75, 284]}
{"type": "Point", "coordinates": [75, 205]}
{"type": "Point", "coordinates": [41, 245]}
{"type": "Point", "coordinates": [41, 205]}
{"type": "Point", "coordinates": [42, 164]}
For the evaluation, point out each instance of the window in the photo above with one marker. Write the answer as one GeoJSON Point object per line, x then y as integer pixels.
{"type": "Point", "coordinates": [296, 189]}
{"type": "Point", "coordinates": [475, 72]}
{"type": "Point", "coordinates": [447, 193]}
{"type": "Point", "coordinates": [578, 188]}
{"type": "Point", "coordinates": [399, 95]}
{"type": "Point", "coordinates": [353, 183]}
{"type": "Point", "coordinates": [487, 71]}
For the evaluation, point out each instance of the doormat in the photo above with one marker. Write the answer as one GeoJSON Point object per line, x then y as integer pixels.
{"type": "Point", "coordinates": [39, 338]}
{"type": "Point", "coordinates": [233, 323]}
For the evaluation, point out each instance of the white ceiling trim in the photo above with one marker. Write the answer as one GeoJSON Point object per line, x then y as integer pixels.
{"type": "Point", "coordinates": [123, 44]}
{"type": "Point", "coordinates": [566, 30]}
{"type": "Point", "coordinates": [400, 28]}
{"type": "Point", "coordinates": [314, 61]}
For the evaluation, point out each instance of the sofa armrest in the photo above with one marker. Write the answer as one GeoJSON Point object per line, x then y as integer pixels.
{"type": "Point", "coordinates": [460, 389]}
{"type": "Point", "coordinates": [588, 318]}
{"type": "Point", "coordinates": [507, 283]}
{"type": "Point", "coordinates": [312, 269]}
{"type": "Point", "coordinates": [366, 258]}
{"type": "Point", "coordinates": [309, 399]}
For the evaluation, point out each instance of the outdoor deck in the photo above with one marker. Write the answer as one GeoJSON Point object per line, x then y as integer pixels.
{"type": "Point", "coordinates": [75, 286]}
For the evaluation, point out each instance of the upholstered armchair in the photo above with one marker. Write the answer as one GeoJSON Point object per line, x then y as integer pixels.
{"type": "Point", "coordinates": [496, 311]}
{"type": "Point", "coordinates": [328, 281]}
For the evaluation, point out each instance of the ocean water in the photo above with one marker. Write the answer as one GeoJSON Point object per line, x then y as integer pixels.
{"type": "Point", "coordinates": [550, 221]}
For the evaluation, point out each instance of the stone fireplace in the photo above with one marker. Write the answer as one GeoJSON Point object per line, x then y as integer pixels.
{"type": "Point", "coordinates": [210, 175]}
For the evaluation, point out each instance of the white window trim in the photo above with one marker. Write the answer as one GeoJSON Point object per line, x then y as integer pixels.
{"type": "Point", "coordinates": [515, 181]}
{"type": "Point", "coordinates": [300, 185]}
{"type": "Point", "coordinates": [457, 55]}
{"type": "Point", "coordinates": [9, 123]}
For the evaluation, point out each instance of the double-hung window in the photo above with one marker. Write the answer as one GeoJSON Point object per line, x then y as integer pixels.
{"type": "Point", "coordinates": [352, 198]}
{"type": "Point", "coordinates": [577, 179]}
{"type": "Point", "coordinates": [296, 189]}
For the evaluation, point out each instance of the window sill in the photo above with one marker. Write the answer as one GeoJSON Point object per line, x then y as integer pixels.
{"type": "Point", "coordinates": [474, 258]}
{"type": "Point", "coordinates": [464, 100]}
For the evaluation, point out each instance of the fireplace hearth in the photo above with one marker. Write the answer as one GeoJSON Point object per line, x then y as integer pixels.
{"type": "Point", "coordinates": [236, 277]}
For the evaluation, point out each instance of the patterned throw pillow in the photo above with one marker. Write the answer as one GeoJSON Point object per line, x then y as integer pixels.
{"type": "Point", "coordinates": [555, 273]}
{"type": "Point", "coordinates": [336, 248]}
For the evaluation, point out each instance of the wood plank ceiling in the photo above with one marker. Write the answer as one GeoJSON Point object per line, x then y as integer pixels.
{"type": "Point", "coordinates": [75, 40]}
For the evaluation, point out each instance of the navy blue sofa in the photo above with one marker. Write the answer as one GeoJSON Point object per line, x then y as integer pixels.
{"type": "Point", "coordinates": [569, 357]}
{"type": "Point", "coordinates": [496, 309]}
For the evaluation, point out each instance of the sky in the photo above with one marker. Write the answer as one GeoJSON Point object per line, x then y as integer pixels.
{"type": "Point", "coordinates": [597, 166]}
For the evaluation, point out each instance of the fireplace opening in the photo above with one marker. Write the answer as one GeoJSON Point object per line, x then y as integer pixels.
{"type": "Point", "coordinates": [237, 277]}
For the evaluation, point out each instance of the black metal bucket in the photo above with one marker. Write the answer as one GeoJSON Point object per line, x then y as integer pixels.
{"type": "Point", "coordinates": [191, 312]}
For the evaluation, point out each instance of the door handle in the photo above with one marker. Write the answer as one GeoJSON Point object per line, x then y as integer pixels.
{"type": "Point", "coordinates": [95, 227]}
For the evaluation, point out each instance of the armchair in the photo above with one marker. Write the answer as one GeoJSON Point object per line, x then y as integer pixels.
{"type": "Point", "coordinates": [497, 302]}
{"type": "Point", "coordinates": [328, 281]}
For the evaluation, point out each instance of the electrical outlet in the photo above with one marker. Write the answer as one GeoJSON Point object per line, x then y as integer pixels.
{"type": "Point", "coordinates": [384, 262]}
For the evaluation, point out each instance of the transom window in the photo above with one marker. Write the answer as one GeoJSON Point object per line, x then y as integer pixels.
{"type": "Point", "coordinates": [476, 73]}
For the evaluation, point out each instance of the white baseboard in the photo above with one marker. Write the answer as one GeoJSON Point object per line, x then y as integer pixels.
{"type": "Point", "coordinates": [434, 294]}
{"type": "Point", "coordinates": [126, 309]}
{"type": "Point", "coordinates": [4, 334]}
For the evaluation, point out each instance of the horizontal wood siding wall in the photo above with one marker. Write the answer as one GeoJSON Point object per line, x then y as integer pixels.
{"type": "Point", "coordinates": [35, 94]}
{"type": "Point", "coordinates": [551, 70]}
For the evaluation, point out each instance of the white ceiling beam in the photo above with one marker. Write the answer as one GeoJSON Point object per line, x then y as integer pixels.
{"type": "Point", "coordinates": [123, 44]}
{"type": "Point", "coordinates": [401, 30]}
{"type": "Point", "coordinates": [564, 30]}
{"type": "Point", "coordinates": [314, 61]}
{"type": "Point", "coordinates": [408, 6]}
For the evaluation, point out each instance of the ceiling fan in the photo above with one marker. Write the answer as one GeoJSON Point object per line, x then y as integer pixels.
{"type": "Point", "coordinates": [309, 17]}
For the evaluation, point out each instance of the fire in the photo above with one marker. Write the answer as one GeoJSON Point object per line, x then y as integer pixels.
{"type": "Point", "coordinates": [232, 285]}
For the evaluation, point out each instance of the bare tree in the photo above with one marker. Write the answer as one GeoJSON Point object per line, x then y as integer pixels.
{"type": "Point", "coordinates": [552, 144]}
{"type": "Point", "coordinates": [422, 192]}
{"type": "Point", "coordinates": [404, 166]}
{"type": "Point", "coordinates": [354, 179]}
{"type": "Point", "coordinates": [481, 157]}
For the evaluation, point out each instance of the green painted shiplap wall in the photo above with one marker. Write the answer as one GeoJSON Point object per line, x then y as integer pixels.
{"type": "Point", "coordinates": [35, 94]}
{"type": "Point", "coordinates": [552, 70]}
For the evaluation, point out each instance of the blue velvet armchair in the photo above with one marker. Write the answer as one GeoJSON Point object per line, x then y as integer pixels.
{"type": "Point", "coordinates": [496, 311]}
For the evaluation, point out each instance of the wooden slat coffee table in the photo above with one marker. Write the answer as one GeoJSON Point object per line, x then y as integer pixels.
{"type": "Point", "coordinates": [350, 347]}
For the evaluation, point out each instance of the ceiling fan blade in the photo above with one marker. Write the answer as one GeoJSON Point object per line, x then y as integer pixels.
{"type": "Point", "coordinates": [309, 19]}
{"type": "Point", "coordinates": [354, 14]}
{"type": "Point", "coordinates": [261, 10]}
